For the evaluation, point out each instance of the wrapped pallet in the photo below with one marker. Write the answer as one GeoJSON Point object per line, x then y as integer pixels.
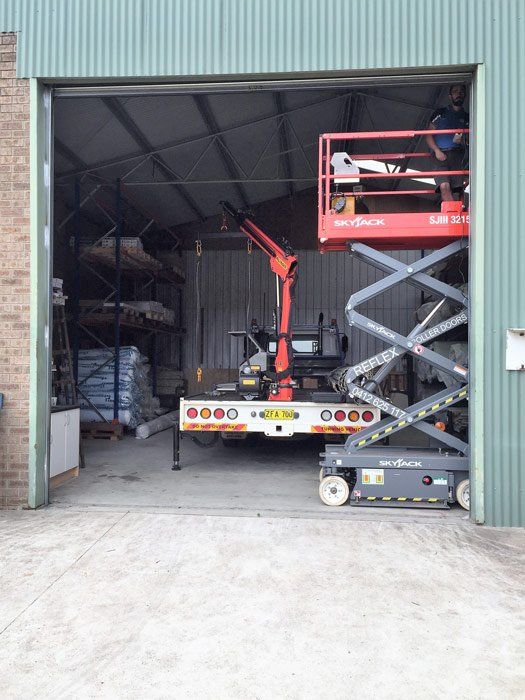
{"type": "Point", "coordinates": [455, 351]}
{"type": "Point", "coordinates": [96, 376]}
{"type": "Point", "coordinates": [448, 309]}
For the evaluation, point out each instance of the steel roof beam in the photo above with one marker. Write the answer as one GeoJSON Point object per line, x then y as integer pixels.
{"type": "Point", "coordinates": [422, 123]}
{"type": "Point", "coordinates": [66, 152]}
{"type": "Point", "coordinates": [209, 119]}
{"type": "Point", "coordinates": [70, 155]}
{"type": "Point", "coordinates": [184, 142]}
{"type": "Point", "coordinates": [120, 114]}
{"type": "Point", "coordinates": [283, 137]}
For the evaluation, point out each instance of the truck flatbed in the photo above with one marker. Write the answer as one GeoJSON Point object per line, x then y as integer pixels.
{"type": "Point", "coordinates": [234, 415]}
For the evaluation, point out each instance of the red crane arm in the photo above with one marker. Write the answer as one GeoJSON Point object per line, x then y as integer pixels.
{"type": "Point", "coordinates": [283, 263]}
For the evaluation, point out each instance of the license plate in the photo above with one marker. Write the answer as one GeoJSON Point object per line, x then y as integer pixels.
{"type": "Point", "coordinates": [278, 414]}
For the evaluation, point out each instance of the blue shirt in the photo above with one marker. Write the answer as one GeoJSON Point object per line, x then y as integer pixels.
{"type": "Point", "coordinates": [448, 118]}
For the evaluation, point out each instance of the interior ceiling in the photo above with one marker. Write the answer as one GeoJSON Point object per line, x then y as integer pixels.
{"type": "Point", "coordinates": [247, 147]}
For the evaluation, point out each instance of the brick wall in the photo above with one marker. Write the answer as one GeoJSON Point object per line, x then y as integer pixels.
{"type": "Point", "coordinates": [14, 278]}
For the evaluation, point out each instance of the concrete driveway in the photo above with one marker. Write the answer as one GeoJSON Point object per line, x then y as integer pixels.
{"type": "Point", "coordinates": [128, 604]}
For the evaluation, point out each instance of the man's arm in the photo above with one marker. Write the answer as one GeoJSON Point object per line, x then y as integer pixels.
{"type": "Point", "coordinates": [429, 138]}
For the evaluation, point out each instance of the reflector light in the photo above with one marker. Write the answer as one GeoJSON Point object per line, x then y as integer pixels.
{"type": "Point", "coordinates": [192, 413]}
{"type": "Point", "coordinates": [353, 416]}
{"type": "Point", "coordinates": [205, 413]}
{"type": "Point", "coordinates": [218, 413]}
{"type": "Point", "coordinates": [440, 426]}
{"type": "Point", "coordinates": [427, 480]}
{"type": "Point", "coordinates": [326, 415]}
{"type": "Point", "coordinates": [340, 415]}
{"type": "Point", "coordinates": [367, 416]}
{"type": "Point", "coordinates": [232, 414]}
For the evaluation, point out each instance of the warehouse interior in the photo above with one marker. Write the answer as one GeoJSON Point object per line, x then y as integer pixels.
{"type": "Point", "coordinates": [153, 169]}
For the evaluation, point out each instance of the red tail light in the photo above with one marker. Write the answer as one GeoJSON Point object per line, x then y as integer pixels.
{"type": "Point", "coordinates": [192, 413]}
{"type": "Point", "coordinates": [368, 416]}
{"type": "Point", "coordinates": [340, 415]}
{"type": "Point", "coordinates": [218, 413]}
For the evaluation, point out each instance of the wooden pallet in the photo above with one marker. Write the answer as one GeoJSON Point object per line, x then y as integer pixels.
{"type": "Point", "coordinates": [60, 479]}
{"type": "Point", "coordinates": [102, 431]}
{"type": "Point", "coordinates": [106, 314]}
{"type": "Point", "coordinates": [109, 308]}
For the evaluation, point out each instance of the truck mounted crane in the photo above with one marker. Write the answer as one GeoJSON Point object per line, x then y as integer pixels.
{"type": "Point", "coordinates": [273, 403]}
{"type": "Point", "coordinates": [283, 262]}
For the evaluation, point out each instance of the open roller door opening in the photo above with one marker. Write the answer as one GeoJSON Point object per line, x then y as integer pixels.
{"type": "Point", "coordinates": [163, 292]}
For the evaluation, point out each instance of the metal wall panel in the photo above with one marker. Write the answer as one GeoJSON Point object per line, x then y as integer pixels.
{"type": "Point", "coordinates": [9, 21]}
{"type": "Point", "coordinates": [325, 283]}
{"type": "Point", "coordinates": [169, 38]}
{"type": "Point", "coordinates": [138, 38]}
{"type": "Point", "coordinates": [504, 256]}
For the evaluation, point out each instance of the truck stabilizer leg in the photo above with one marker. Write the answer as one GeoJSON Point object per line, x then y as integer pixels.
{"type": "Point", "coordinates": [176, 448]}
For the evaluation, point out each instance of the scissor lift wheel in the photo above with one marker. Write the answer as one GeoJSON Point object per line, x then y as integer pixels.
{"type": "Point", "coordinates": [321, 474]}
{"type": "Point", "coordinates": [334, 491]}
{"type": "Point", "coordinates": [463, 494]}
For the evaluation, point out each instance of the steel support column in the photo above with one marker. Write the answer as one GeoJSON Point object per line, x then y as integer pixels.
{"type": "Point", "coordinates": [118, 236]}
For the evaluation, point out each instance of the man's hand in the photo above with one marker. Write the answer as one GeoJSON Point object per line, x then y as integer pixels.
{"type": "Point", "coordinates": [440, 155]}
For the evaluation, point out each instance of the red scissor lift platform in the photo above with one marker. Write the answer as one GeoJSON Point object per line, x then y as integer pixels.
{"type": "Point", "coordinates": [384, 231]}
{"type": "Point", "coordinates": [366, 468]}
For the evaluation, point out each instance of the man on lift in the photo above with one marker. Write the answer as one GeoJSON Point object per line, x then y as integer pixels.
{"type": "Point", "coordinates": [449, 150]}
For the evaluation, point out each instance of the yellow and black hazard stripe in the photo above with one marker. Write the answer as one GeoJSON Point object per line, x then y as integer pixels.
{"type": "Point", "coordinates": [437, 406]}
{"type": "Point", "coordinates": [222, 427]}
{"type": "Point", "coordinates": [401, 498]}
{"type": "Point", "coordinates": [335, 428]}
{"type": "Point", "coordinates": [400, 424]}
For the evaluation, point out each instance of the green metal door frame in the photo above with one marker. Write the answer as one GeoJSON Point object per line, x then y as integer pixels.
{"type": "Point", "coordinates": [40, 294]}
{"type": "Point", "coordinates": [477, 293]}
{"type": "Point", "coordinates": [40, 291]}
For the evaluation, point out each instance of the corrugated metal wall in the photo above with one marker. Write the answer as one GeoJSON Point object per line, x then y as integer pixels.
{"type": "Point", "coordinates": [166, 38]}
{"type": "Point", "coordinates": [125, 38]}
{"type": "Point", "coordinates": [324, 285]}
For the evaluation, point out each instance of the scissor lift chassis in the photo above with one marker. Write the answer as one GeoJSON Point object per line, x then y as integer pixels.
{"type": "Point", "coordinates": [395, 476]}
{"type": "Point", "coordinates": [379, 474]}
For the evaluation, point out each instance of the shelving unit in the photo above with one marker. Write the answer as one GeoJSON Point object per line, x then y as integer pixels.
{"type": "Point", "coordinates": [112, 262]}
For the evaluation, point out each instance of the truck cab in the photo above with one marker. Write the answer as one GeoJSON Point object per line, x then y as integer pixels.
{"type": "Point", "coordinates": [317, 350]}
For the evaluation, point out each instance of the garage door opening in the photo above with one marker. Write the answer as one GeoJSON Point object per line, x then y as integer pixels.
{"type": "Point", "coordinates": [158, 294]}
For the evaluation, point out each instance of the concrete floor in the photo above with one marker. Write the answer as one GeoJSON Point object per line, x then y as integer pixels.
{"type": "Point", "coordinates": [270, 478]}
{"type": "Point", "coordinates": [130, 604]}
{"type": "Point", "coordinates": [230, 579]}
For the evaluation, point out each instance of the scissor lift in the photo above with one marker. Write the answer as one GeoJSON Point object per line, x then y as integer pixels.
{"type": "Point", "coordinates": [366, 469]}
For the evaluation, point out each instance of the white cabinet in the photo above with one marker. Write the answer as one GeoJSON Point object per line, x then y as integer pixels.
{"type": "Point", "coordinates": [65, 436]}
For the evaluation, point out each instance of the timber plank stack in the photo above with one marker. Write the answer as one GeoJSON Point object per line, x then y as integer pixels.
{"type": "Point", "coordinates": [134, 260]}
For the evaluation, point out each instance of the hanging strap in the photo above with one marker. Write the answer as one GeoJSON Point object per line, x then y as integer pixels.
{"type": "Point", "coordinates": [198, 329]}
{"type": "Point", "coordinates": [249, 249]}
